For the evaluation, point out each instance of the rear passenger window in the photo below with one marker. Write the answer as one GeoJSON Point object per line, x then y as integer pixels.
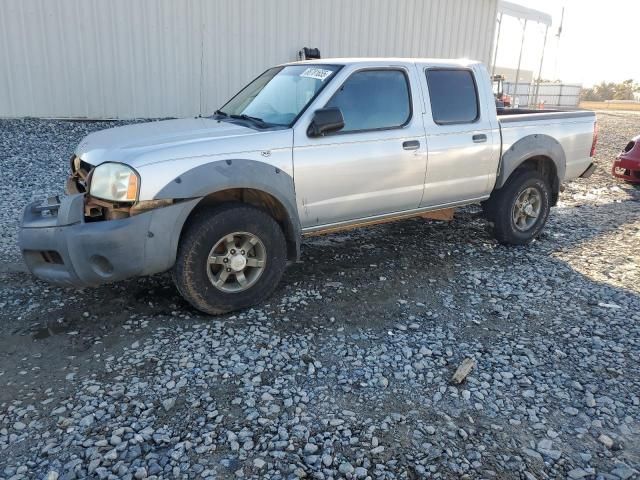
{"type": "Point", "coordinates": [453, 95]}
{"type": "Point", "coordinates": [373, 99]}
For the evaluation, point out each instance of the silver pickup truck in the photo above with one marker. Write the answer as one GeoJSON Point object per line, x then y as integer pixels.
{"type": "Point", "coordinates": [305, 148]}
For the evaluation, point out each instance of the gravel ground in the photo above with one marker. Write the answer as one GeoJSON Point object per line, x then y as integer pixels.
{"type": "Point", "coordinates": [346, 372]}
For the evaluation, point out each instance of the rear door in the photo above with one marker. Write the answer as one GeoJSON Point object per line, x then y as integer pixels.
{"type": "Point", "coordinates": [463, 144]}
{"type": "Point", "coordinates": [376, 164]}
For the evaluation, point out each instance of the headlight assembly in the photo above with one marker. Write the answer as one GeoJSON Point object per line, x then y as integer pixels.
{"type": "Point", "coordinates": [114, 182]}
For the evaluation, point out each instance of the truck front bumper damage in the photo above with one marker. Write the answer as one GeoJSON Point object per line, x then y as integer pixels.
{"type": "Point", "coordinates": [61, 247]}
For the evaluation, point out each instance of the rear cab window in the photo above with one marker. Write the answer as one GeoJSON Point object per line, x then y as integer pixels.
{"type": "Point", "coordinates": [453, 94]}
{"type": "Point", "coordinates": [373, 99]}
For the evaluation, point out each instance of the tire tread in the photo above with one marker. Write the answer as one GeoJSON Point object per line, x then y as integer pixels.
{"type": "Point", "coordinates": [498, 207]}
{"type": "Point", "coordinates": [207, 226]}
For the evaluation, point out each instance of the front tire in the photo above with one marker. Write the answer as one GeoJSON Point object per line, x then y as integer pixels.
{"type": "Point", "coordinates": [229, 258]}
{"type": "Point", "coordinates": [520, 209]}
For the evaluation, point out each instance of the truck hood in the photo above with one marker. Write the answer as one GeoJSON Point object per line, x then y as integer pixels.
{"type": "Point", "coordinates": [145, 143]}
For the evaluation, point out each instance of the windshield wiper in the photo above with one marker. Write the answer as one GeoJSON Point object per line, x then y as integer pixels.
{"type": "Point", "coordinates": [251, 119]}
{"type": "Point", "coordinates": [221, 113]}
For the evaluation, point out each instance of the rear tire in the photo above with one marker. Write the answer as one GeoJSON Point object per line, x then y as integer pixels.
{"type": "Point", "coordinates": [229, 258]}
{"type": "Point", "coordinates": [520, 209]}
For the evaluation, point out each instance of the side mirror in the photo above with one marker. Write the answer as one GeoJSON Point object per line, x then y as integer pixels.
{"type": "Point", "coordinates": [325, 120]}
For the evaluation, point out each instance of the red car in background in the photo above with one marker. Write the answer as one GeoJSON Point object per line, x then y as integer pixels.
{"type": "Point", "coordinates": [627, 165]}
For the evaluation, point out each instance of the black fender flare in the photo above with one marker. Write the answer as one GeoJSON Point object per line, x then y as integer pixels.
{"type": "Point", "coordinates": [531, 146]}
{"type": "Point", "coordinates": [228, 174]}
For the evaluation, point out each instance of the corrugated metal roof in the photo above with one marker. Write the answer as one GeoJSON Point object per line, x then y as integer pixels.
{"type": "Point", "coordinates": [160, 58]}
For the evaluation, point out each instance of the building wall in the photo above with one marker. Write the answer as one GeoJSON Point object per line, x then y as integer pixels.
{"type": "Point", "coordinates": [525, 76]}
{"type": "Point", "coordinates": [172, 58]}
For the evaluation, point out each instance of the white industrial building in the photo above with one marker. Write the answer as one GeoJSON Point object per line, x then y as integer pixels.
{"type": "Point", "coordinates": [176, 58]}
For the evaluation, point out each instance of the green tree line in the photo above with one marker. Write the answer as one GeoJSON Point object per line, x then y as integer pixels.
{"type": "Point", "coordinates": [611, 91]}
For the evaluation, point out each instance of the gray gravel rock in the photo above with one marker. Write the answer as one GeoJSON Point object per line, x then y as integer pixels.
{"type": "Point", "coordinates": [344, 372]}
{"type": "Point", "coordinates": [346, 468]}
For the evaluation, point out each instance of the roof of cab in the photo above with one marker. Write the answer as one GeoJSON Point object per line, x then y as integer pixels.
{"type": "Point", "coordinates": [444, 62]}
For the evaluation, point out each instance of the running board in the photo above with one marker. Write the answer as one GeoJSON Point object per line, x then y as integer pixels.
{"type": "Point", "coordinates": [445, 214]}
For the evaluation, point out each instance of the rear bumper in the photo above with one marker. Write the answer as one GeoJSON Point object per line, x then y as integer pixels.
{"type": "Point", "coordinates": [58, 246]}
{"type": "Point", "coordinates": [626, 169]}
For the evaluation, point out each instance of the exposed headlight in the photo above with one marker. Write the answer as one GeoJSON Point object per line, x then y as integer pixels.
{"type": "Point", "coordinates": [114, 182]}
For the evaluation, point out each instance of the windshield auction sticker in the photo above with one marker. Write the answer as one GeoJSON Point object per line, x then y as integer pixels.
{"type": "Point", "coordinates": [317, 73]}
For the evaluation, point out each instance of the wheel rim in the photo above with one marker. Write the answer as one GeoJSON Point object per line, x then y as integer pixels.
{"type": "Point", "coordinates": [236, 262]}
{"type": "Point", "coordinates": [526, 209]}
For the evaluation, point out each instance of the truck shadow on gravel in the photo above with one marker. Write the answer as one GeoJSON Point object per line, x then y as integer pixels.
{"type": "Point", "coordinates": [348, 274]}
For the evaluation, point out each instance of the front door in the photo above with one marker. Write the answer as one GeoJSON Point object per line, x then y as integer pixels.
{"type": "Point", "coordinates": [376, 163]}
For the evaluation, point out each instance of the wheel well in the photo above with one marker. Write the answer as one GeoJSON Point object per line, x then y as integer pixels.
{"type": "Point", "coordinates": [262, 200]}
{"type": "Point", "coordinates": [548, 169]}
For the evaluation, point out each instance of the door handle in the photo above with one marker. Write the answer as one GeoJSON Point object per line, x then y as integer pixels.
{"type": "Point", "coordinates": [479, 138]}
{"type": "Point", "coordinates": [411, 145]}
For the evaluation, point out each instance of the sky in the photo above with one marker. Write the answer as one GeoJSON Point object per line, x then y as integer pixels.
{"type": "Point", "coordinates": [600, 41]}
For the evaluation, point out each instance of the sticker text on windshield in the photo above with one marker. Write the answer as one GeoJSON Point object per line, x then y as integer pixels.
{"type": "Point", "coordinates": [317, 73]}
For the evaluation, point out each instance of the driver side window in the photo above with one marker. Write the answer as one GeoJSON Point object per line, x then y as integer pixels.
{"type": "Point", "coordinates": [373, 100]}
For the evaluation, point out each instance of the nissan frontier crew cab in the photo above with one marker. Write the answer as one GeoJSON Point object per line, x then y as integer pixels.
{"type": "Point", "coordinates": [307, 147]}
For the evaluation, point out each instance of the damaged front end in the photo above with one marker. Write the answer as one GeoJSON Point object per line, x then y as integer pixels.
{"type": "Point", "coordinates": [79, 180]}
{"type": "Point", "coordinates": [80, 239]}
{"type": "Point", "coordinates": [97, 209]}
{"type": "Point", "coordinates": [626, 165]}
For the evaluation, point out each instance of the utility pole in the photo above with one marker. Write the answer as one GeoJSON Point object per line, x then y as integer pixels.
{"type": "Point", "coordinates": [544, 44]}
{"type": "Point", "coordinates": [515, 88]}
{"type": "Point", "coordinates": [555, 68]}
{"type": "Point", "coordinates": [495, 51]}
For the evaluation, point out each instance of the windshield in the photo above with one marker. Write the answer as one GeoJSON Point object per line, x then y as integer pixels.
{"type": "Point", "coordinates": [280, 94]}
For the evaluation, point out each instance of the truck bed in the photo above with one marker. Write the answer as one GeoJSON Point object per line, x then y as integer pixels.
{"type": "Point", "coordinates": [572, 129]}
